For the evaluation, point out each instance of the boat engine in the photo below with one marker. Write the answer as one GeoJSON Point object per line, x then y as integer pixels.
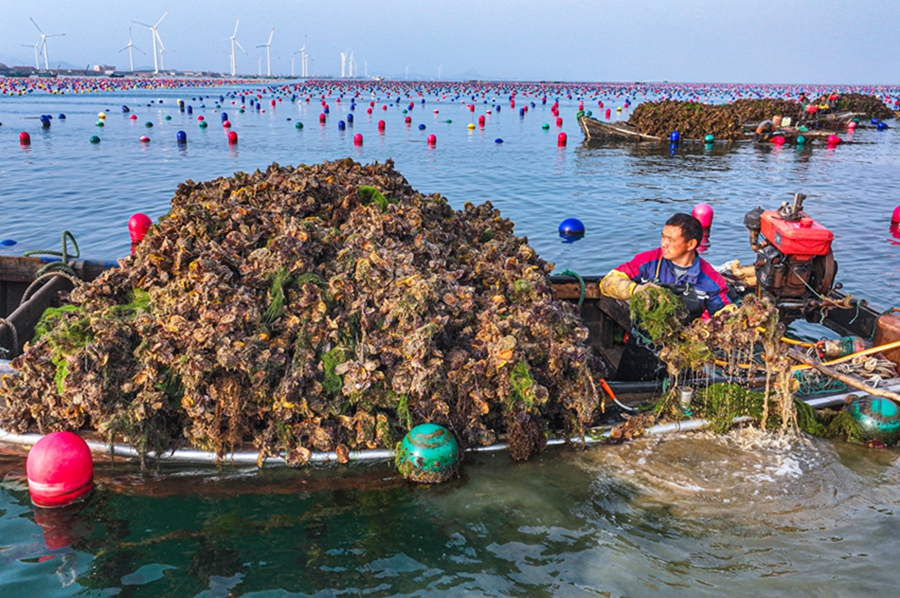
{"type": "Point", "coordinates": [794, 265]}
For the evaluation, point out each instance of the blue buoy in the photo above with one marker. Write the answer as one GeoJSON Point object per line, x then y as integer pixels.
{"type": "Point", "coordinates": [62, 117]}
{"type": "Point", "coordinates": [875, 121]}
{"type": "Point", "coordinates": [429, 453]}
{"type": "Point", "coordinates": [181, 137]}
{"type": "Point", "coordinates": [341, 125]}
{"type": "Point", "coordinates": [882, 126]}
{"type": "Point", "coordinates": [349, 119]}
{"type": "Point", "coordinates": [674, 136]}
{"type": "Point", "coordinates": [498, 140]}
{"type": "Point", "coordinates": [421, 127]}
{"type": "Point", "coordinates": [8, 242]}
{"type": "Point", "coordinates": [571, 227]}
{"type": "Point", "coordinates": [224, 116]}
{"type": "Point", "coordinates": [878, 418]}
{"type": "Point", "coordinates": [190, 110]}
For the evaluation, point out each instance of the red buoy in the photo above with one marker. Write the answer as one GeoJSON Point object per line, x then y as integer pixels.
{"type": "Point", "coordinates": [608, 113]}
{"type": "Point", "coordinates": [481, 120]}
{"type": "Point", "coordinates": [198, 118]}
{"type": "Point", "coordinates": [358, 139]}
{"type": "Point", "coordinates": [778, 140]}
{"type": "Point", "coordinates": [833, 140]}
{"type": "Point", "coordinates": [432, 139]}
{"type": "Point", "coordinates": [895, 217]}
{"type": "Point", "coordinates": [145, 139]}
{"type": "Point", "coordinates": [226, 124]}
{"type": "Point", "coordinates": [407, 120]}
{"type": "Point", "coordinates": [559, 121]}
{"type": "Point", "coordinates": [232, 137]}
{"type": "Point", "coordinates": [704, 213]}
{"type": "Point", "coordinates": [322, 117]}
{"type": "Point", "coordinates": [384, 107]}
{"type": "Point", "coordinates": [24, 138]}
{"type": "Point", "coordinates": [59, 469]}
{"type": "Point", "coordinates": [561, 139]}
{"type": "Point", "coordinates": [381, 125]}
{"type": "Point", "coordinates": [138, 225]}
{"type": "Point", "coordinates": [133, 117]}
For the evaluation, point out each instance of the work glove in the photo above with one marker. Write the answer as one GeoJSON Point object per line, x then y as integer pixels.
{"type": "Point", "coordinates": [617, 285]}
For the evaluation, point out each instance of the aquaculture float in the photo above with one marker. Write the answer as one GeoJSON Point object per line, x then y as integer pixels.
{"type": "Point", "coordinates": [323, 313]}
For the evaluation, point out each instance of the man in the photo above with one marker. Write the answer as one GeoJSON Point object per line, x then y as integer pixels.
{"type": "Point", "coordinates": [676, 264]}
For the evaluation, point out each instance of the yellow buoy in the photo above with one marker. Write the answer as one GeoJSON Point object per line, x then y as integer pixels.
{"type": "Point", "coordinates": [102, 115]}
{"type": "Point", "coordinates": [471, 126]}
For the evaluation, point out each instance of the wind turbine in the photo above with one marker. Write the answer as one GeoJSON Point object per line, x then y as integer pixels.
{"type": "Point", "coordinates": [154, 34]}
{"type": "Point", "coordinates": [37, 63]}
{"type": "Point", "coordinates": [344, 62]}
{"type": "Point", "coordinates": [235, 42]}
{"type": "Point", "coordinates": [43, 43]}
{"type": "Point", "coordinates": [352, 62]}
{"type": "Point", "coordinates": [131, 48]}
{"type": "Point", "coordinates": [268, 46]}
{"type": "Point", "coordinates": [304, 64]}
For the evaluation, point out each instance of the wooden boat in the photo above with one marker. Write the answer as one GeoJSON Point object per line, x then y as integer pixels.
{"type": "Point", "coordinates": [606, 319]}
{"type": "Point", "coordinates": [595, 130]}
{"type": "Point", "coordinates": [618, 131]}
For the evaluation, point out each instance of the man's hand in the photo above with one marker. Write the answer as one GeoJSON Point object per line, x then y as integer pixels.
{"type": "Point", "coordinates": [617, 285]}
{"type": "Point", "coordinates": [643, 287]}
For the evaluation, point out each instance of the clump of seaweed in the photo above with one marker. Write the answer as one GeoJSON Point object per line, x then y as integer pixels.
{"type": "Point", "coordinates": [317, 308]}
{"type": "Point", "coordinates": [694, 120]}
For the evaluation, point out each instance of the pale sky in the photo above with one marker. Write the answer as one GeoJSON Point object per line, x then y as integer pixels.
{"type": "Point", "coordinates": [717, 41]}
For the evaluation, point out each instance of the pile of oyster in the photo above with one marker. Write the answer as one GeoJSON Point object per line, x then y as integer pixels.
{"type": "Point", "coordinates": [317, 308]}
{"type": "Point", "coordinates": [694, 120]}
{"type": "Point", "coordinates": [871, 106]}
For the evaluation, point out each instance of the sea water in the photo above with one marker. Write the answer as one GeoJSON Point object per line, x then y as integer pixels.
{"type": "Point", "coordinates": [695, 515]}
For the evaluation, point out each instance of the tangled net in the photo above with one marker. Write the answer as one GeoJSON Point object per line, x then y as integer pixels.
{"type": "Point", "coordinates": [728, 337]}
{"type": "Point", "coordinates": [317, 308]}
{"type": "Point", "coordinates": [694, 120]}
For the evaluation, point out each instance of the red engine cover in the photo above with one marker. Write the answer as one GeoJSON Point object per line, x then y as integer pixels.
{"type": "Point", "coordinates": [801, 238]}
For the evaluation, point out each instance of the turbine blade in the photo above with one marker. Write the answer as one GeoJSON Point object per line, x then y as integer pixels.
{"type": "Point", "coordinates": [144, 24]}
{"type": "Point", "coordinates": [238, 44]}
{"type": "Point", "coordinates": [270, 36]}
{"type": "Point", "coordinates": [159, 41]}
{"type": "Point", "coordinates": [235, 28]}
{"type": "Point", "coordinates": [36, 25]}
{"type": "Point", "coordinates": [161, 19]}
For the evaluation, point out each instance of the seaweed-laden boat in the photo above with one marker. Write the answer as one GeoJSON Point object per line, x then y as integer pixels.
{"type": "Point", "coordinates": [596, 130]}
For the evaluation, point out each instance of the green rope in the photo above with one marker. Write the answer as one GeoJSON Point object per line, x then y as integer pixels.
{"type": "Point", "coordinates": [812, 382]}
{"type": "Point", "coordinates": [580, 282]}
{"type": "Point", "coordinates": [63, 265]}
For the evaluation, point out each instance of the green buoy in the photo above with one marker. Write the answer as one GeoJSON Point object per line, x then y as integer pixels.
{"type": "Point", "coordinates": [100, 123]}
{"type": "Point", "coordinates": [428, 453]}
{"type": "Point", "coordinates": [298, 125]}
{"type": "Point", "coordinates": [709, 138]}
{"type": "Point", "coordinates": [878, 418]}
{"type": "Point", "coordinates": [148, 124]}
{"type": "Point", "coordinates": [801, 140]}
{"type": "Point", "coordinates": [203, 124]}
{"type": "Point", "coordinates": [168, 117]}
{"type": "Point", "coordinates": [545, 126]}
{"type": "Point", "coordinates": [94, 139]}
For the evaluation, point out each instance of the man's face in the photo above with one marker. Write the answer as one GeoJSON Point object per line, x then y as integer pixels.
{"type": "Point", "coordinates": [675, 247]}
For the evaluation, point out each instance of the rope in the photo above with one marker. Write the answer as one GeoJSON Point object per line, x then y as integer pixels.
{"type": "Point", "coordinates": [60, 268]}
{"type": "Point", "coordinates": [15, 336]}
{"type": "Point", "coordinates": [580, 282]}
{"type": "Point", "coordinates": [34, 285]}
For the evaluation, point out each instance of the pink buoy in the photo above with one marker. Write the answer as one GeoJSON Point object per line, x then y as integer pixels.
{"type": "Point", "coordinates": [436, 111]}
{"type": "Point", "coordinates": [200, 118]}
{"type": "Point", "coordinates": [779, 140]}
{"type": "Point", "coordinates": [59, 469]}
{"type": "Point", "coordinates": [138, 225]}
{"type": "Point", "coordinates": [851, 126]}
{"type": "Point", "coordinates": [895, 217]}
{"type": "Point", "coordinates": [368, 110]}
{"type": "Point", "coordinates": [322, 117]}
{"type": "Point", "coordinates": [381, 125]}
{"type": "Point", "coordinates": [24, 138]}
{"type": "Point", "coordinates": [558, 121]}
{"type": "Point", "coordinates": [232, 137]}
{"type": "Point", "coordinates": [134, 117]}
{"type": "Point", "coordinates": [358, 139]}
{"type": "Point", "coordinates": [833, 140]}
{"type": "Point", "coordinates": [273, 102]}
{"type": "Point", "coordinates": [226, 124]}
{"type": "Point", "coordinates": [432, 139]}
{"type": "Point", "coordinates": [145, 139]}
{"type": "Point", "coordinates": [384, 107]}
{"type": "Point", "coordinates": [704, 213]}
{"type": "Point", "coordinates": [561, 139]}
{"type": "Point", "coordinates": [407, 120]}
{"type": "Point", "coordinates": [608, 113]}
